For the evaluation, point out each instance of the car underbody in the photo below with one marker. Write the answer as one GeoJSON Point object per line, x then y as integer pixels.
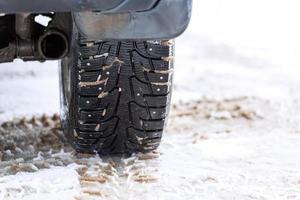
{"type": "Point", "coordinates": [24, 38]}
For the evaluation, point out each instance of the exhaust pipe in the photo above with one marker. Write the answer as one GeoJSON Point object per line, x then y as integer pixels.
{"type": "Point", "coordinates": [53, 45]}
{"type": "Point", "coordinates": [47, 43]}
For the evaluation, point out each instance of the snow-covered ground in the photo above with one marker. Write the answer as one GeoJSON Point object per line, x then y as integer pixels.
{"type": "Point", "coordinates": [233, 133]}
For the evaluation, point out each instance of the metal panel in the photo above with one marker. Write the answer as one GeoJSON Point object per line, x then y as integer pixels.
{"type": "Point", "coordinates": [168, 19]}
{"type": "Point", "coordinates": [15, 6]}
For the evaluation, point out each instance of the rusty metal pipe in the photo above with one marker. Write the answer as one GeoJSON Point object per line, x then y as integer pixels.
{"type": "Point", "coordinates": [53, 44]}
{"type": "Point", "coordinates": [23, 25]}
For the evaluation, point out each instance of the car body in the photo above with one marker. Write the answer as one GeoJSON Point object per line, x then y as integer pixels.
{"type": "Point", "coordinates": [115, 19]}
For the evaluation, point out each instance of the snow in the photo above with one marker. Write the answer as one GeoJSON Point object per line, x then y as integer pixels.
{"type": "Point", "coordinates": [28, 89]}
{"type": "Point", "coordinates": [233, 132]}
{"type": "Point", "coordinates": [57, 183]}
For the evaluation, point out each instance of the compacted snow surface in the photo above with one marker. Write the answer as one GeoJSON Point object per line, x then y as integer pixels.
{"type": "Point", "coordinates": [233, 130]}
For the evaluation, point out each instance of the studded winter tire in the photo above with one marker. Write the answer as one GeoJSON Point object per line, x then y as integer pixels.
{"type": "Point", "coordinates": [115, 95]}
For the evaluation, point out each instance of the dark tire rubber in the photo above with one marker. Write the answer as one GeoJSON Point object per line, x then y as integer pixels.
{"type": "Point", "coordinates": [116, 95]}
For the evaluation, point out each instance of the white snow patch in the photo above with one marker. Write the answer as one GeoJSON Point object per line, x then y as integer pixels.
{"type": "Point", "coordinates": [55, 183]}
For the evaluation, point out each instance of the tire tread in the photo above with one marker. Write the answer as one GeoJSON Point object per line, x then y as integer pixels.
{"type": "Point", "coordinates": [125, 111]}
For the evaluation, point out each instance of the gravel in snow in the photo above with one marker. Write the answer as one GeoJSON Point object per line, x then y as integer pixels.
{"type": "Point", "coordinates": [212, 149]}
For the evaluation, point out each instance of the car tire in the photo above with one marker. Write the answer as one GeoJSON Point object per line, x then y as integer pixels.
{"type": "Point", "coordinates": [115, 95]}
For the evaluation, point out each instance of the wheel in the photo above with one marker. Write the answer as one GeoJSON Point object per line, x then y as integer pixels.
{"type": "Point", "coordinates": [115, 95]}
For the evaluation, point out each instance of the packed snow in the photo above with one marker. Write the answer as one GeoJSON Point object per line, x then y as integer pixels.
{"type": "Point", "coordinates": [233, 130]}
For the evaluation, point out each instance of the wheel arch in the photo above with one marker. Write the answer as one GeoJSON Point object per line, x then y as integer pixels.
{"type": "Point", "coordinates": [168, 19]}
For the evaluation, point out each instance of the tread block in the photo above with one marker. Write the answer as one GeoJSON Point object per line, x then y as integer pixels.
{"type": "Point", "coordinates": [141, 63]}
{"type": "Point", "coordinates": [91, 127]}
{"type": "Point", "coordinates": [93, 90]}
{"type": "Point", "coordinates": [139, 90]}
{"type": "Point", "coordinates": [141, 112]}
{"type": "Point", "coordinates": [158, 77]}
{"type": "Point", "coordinates": [89, 76]}
{"type": "Point", "coordinates": [148, 125]}
{"type": "Point", "coordinates": [98, 127]}
{"type": "Point", "coordinates": [92, 64]}
{"type": "Point", "coordinates": [90, 135]}
{"type": "Point", "coordinates": [90, 103]}
{"type": "Point", "coordinates": [147, 112]}
{"type": "Point", "coordinates": [158, 113]}
{"type": "Point", "coordinates": [156, 50]}
{"type": "Point", "coordinates": [157, 101]}
{"type": "Point", "coordinates": [91, 116]}
{"type": "Point", "coordinates": [162, 66]}
{"type": "Point", "coordinates": [111, 102]}
{"type": "Point", "coordinates": [152, 50]}
{"type": "Point", "coordinates": [160, 88]}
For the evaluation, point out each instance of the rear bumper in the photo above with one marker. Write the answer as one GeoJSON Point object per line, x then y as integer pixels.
{"type": "Point", "coordinates": [38, 6]}
{"type": "Point", "coordinates": [115, 19]}
{"type": "Point", "coordinates": [168, 19]}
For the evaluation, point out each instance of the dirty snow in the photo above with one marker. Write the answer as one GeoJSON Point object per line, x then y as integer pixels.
{"type": "Point", "coordinates": [233, 131]}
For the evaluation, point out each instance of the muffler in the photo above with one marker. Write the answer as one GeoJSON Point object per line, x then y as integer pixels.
{"type": "Point", "coordinates": [34, 41]}
{"type": "Point", "coordinates": [53, 45]}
